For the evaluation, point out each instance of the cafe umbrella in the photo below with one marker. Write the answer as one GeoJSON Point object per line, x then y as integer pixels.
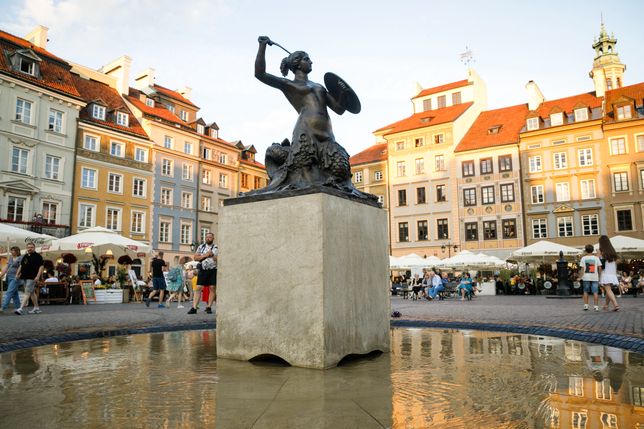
{"type": "Point", "coordinates": [95, 241]}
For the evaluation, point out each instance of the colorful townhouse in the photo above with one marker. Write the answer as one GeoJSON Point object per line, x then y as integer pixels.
{"type": "Point", "coordinates": [39, 109]}
{"type": "Point", "coordinates": [369, 170]}
{"type": "Point", "coordinates": [252, 174]}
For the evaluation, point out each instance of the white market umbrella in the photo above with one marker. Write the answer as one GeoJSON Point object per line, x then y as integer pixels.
{"type": "Point", "coordinates": [10, 236]}
{"type": "Point", "coordinates": [467, 259]}
{"type": "Point", "coordinates": [626, 247]}
{"type": "Point", "coordinates": [412, 261]}
{"type": "Point", "coordinates": [542, 250]}
{"type": "Point", "coordinates": [97, 241]}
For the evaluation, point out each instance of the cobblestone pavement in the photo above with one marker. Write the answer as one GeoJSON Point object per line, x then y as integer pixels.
{"type": "Point", "coordinates": [59, 323]}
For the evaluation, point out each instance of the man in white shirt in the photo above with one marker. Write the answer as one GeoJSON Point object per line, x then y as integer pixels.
{"type": "Point", "coordinates": [589, 268]}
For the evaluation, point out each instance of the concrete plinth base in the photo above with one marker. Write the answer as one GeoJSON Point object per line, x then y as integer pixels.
{"type": "Point", "coordinates": [303, 278]}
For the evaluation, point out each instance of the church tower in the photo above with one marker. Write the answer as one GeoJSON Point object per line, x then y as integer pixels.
{"type": "Point", "coordinates": [608, 71]}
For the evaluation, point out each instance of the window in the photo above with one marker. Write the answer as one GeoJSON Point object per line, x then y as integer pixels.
{"type": "Point", "coordinates": [624, 220]}
{"type": "Point", "coordinates": [487, 195]}
{"type": "Point", "coordinates": [117, 149]}
{"type": "Point", "coordinates": [201, 129]}
{"type": "Point", "coordinates": [187, 148]}
{"type": "Point", "coordinates": [439, 163]}
{"type": "Point", "coordinates": [537, 194]}
{"type": "Point", "coordinates": [186, 232]}
{"type": "Point", "coordinates": [427, 104]}
{"type": "Point", "coordinates": [168, 142]}
{"type": "Point", "coordinates": [620, 181]}
{"type": "Point", "coordinates": [26, 66]}
{"type": "Point", "coordinates": [422, 230]}
{"type": "Point", "coordinates": [49, 211]}
{"type": "Point", "coordinates": [489, 230]}
{"type": "Point", "coordinates": [214, 133]}
{"type": "Point", "coordinates": [206, 177]}
{"type": "Point", "coordinates": [86, 216]}
{"type": "Point", "coordinates": [138, 222]}
{"type": "Point", "coordinates": [166, 196]}
{"type": "Point", "coordinates": [441, 101]}
{"type": "Point", "coordinates": [206, 153]}
{"type": "Point", "coordinates": [186, 200]}
{"type": "Point", "coordinates": [539, 228]}
{"type": "Point", "coordinates": [166, 167]}
{"type": "Point", "coordinates": [140, 154]}
{"type": "Point", "coordinates": [468, 168]}
{"type": "Point", "coordinates": [222, 158]}
{"type": "Point", "coordinates": [532, 123]}
{"type": "Point", "coordinates": [624, 112]}
{"type": "Point", "coordinates": [563, 191]}
{"type": "Point", "coordinates": [640, 143]}
{"type": "Point", "coordinates": [509, 227]}
{"type": "Point", "coordinates": [98, 112]}
{"type": "Point", "coordinates": [55, 121]}
{"type": "Point", "coordinates": [170, 107]}
{"type": "Point", "coordinates": [638, 396]}
{"type": "Point", "coordinates": [439, 138]}
{"type": "Point", "coordinates": [442, 229]}
{"type": "Point", "coordinates": [19, 160]}
{"type": "Point", "coordinates": [52, 167]}
{"type": "Point", "coordinates": [187, 170]}
{"type": "Point", "coordinates": [223, 180]}
{"type": "Point", "coordinates": [617, 146]}
{"type": "Point", "coordinates": [16, 208]}
{"type": "Point", "coordinates": [534, 163]}
{"type": "Point", "coordinates": [581, 114]}
{"type": "Point", "coordinates": [469, 197]}
{"type": "Point", "coordinates": [403, 231]}
{"type": "Point", "coordinates": [400, 168]}
{"type": "Point", "coordinates": [590, 224]}
{"type": "Point", "coordinates": [139, 187]}
{"type": "Point", "coordinates": [23, 111]}
{"type": "Point", "coordinates": [588, 189]}
{"type": "Point", "coordinates": [441, 193]}
{"type": "Point", "coordinates": [244, 180]}
{"type": "Point", "coordinates": [421, 198]}
{"type": "Point", "coordinates": [204, 232]}
{"type": "Point", "coordinates": [486, 166]}
{"type": "Point", "coordinates": [113, 219]}
{"type": "Point", "coordinates": [420, 165]}
{"type": "Point", "coordinates": [184, 115]}
{"type": "Point", "coordinates": [560, 160]}
{"type": "Point", "coordinates": [378, 175]}
{"type": "Point", "coordinates": [358, 176]}
{"type": "Point", "coordinates": [642, 179]}
{"type": "Point", "coordinates": [456, 98]}
{"type": "Point", "coordinates": [471, 231]}
{"type": "Point", "coordinates": [88, 178]}
{"type": "Point", "coordinates": [122, 119]}
{"type": "Point", "coordinates": [91, 143]}
{"type": "Point", "coordinates": [579, 420]}
{"type": "Point", "coordinates": [507, 192]}
{"type": "Point", "coordinates": [556, 119]}
{"type": "Point", "coordinates": [400, 145]}
{"type": "Point", "coordinates": [114, 183]}
{"type": "Point", "coordinates": [505, 163]}
{"type": "Point", "coordinates": [402, 197]}
{"type": "Point", "coordinates": [206, 203]}
{"type": "Point", "coordinates": [585, 157]}
{"type": "Point", "coordinates": [609, 421]}
{"type": "Point", "coordinates": [564, 226]}
{"type": "Point", "coordinates": [164, 231]}
{"type": "Point", "coordinates": [149, 102]}
{"type": "Point", "coordinates": [418, 142]}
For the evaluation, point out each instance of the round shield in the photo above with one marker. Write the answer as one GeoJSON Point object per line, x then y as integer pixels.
{"type": "Point", "coordinates": [341, 91]}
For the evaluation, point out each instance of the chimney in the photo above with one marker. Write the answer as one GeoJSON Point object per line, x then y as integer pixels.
{"type": "Point", "coordinates": [38, 36]}
{"type": "Point", "coordinates": [120, 70]}
{"type": "Point", "coordinates": [535, 96]}
{"type": "Point", "coordinates": [144, 79]}
{"type": "Point", "coordinates": [186, 91]}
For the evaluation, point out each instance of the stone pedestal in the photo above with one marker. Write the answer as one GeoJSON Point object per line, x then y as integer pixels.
{"type": "Point", "coordinates": [304, 278]}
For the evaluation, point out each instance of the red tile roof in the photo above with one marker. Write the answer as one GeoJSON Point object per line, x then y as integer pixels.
{"type": "Point", "coordinates": [91, 90]}
{"type": "Point", "coordinates": [172, 94]}
{"type": "Point", "coordinates": [510, 120]}
{"type": "Point", "coordinates": [377, 152]}
{"type": "Point", "coordinates": [636, 92]}
{"type": "Point", "coordinates": [441, 88]}
{"type": "Point", "coordinates": [568, 104]}
{"type": "Point", "coordinates": [253, 163]}
{"type": "Point", "coordinates": [54, 72]}
{"type": "Point", "coordinates": [426, 119]}
{"type": "Point", "coordinates": [158, 111]}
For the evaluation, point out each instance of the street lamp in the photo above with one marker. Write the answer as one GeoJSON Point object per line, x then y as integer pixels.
{"type": "Point", "coordinates": [193, 246]}
{"type": "Point", "coordinates": [449, 248]}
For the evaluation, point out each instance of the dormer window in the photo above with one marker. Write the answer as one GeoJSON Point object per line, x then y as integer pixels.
{"type": "Point", "coordinates": [624, 112]}
{"type": "Point", "coordinates": [532, 123]}
{"type": "Point", "coordinates": [494, 130]}
{"type": "Point", "coordinates": [27, 66]}
{"type": "Point", "coordinates": [184, 115]}
{"type": "Point", "coordinates": [556, 119]}
{"type": "Point", "coordinates": [25, 61]}
{"type": "Point", "coordinates": [149, 102]}
{"type": "Point", "coordinates": [170, 107]}
{"type": "Point", "coordinates": [122, 119]}
{"type": "Point", "coordinates": [213, 133]}
{"type": "Point", "coordinates": [98, 112]}
{"type": "Point", "coordinates": [581, 114]}
{"type": "Point", "coordinates": [200, 129]}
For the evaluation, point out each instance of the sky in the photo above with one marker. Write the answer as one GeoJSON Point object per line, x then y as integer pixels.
{"type": "Point", "coordinates": [381, 48]}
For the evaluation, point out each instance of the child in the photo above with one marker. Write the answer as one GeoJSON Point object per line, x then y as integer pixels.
{"type": "Point", "coordinates": [590, 266]}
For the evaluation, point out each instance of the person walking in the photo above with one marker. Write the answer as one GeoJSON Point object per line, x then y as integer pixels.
{"type": "Point", "coordinates": [609, 271]}
{"type": "Point", "coordinates": [30, 272]}
{"type": "Point", "coordinates": [11, 269]}
{"type": "Point", "coordinates": [176, 279]}
{"type": "Point", "coordinates": [157, 266]}
{"type": "Point", "coordinates": [207, 257]}
{"type": "Point", "coordinates": [589, 270]}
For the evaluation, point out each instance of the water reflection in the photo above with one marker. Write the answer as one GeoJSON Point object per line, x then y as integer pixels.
{"type": "Point", "coordinates": [432, 378]}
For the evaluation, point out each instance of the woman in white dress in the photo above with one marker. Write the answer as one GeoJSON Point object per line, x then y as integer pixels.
{"type": "Point", "coordinates": [609, 272]}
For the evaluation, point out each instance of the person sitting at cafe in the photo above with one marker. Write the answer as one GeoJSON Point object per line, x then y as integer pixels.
{"type": "Point", "coordinates": [465, 286]}
{"type": "Point", "coordinates": [50, 277]}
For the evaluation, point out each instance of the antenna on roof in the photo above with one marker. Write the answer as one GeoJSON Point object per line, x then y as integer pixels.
{"type": "Point", "coordinates": [467, 57]}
